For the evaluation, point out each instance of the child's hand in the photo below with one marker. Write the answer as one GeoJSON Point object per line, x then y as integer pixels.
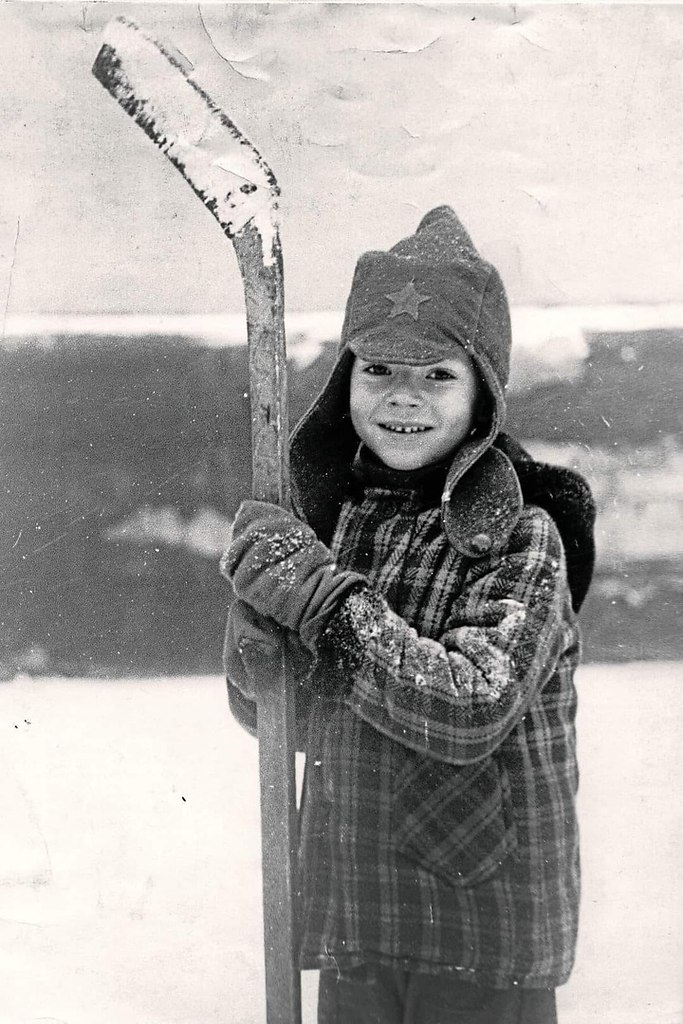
{"type": "Point", "coordinates": [253, 652]}
{"type": "Point", "coordinates": [278, 566]}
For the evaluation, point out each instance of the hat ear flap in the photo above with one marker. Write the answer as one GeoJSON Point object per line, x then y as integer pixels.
{"type": "Point", "coordinates": [322, 447]}
{"type": "Point", "coordinates": [480, 514]}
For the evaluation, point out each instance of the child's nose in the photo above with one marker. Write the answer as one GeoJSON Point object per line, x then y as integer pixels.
{"type": "Point", "coordinates": [402, 393]}
{"type": "Point", "coordinates": [404, 398]}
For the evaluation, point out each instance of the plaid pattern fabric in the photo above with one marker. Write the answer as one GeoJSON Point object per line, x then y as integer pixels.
{"type": "Point", "coordinates": [438, 826]}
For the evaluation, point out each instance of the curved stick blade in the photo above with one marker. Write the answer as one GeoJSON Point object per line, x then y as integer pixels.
{"type": "Point", "coordinates": [220, 164]}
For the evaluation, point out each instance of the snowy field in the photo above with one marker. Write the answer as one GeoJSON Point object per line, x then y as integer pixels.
{"type": "Point", "coordinates": [129, 860]}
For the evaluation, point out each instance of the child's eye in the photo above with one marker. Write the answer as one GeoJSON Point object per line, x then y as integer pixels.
{"type": "Point", "coordinates": [440, 374]}
{"type": "Point", "coordinates": [377, 369]}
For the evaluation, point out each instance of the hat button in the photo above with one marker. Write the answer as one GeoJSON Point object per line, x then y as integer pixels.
{"type": "Point", "coordinates": [481, 543]}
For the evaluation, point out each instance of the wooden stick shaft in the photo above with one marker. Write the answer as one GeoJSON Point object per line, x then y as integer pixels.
{"type": "Point", "coordinates": [276, 731]}
{"type": "Point", "coordinates": [264, 297]}
{"type": "Point", "coordinates": [264, 300]}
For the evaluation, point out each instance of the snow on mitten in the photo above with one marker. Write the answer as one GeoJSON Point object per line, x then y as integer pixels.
{"type": "Point", "coordinates": [253, 649]}
{"type": "Point", "coordinates": [278, 566]}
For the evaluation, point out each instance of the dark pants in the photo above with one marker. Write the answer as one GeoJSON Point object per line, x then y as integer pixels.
{"type": "Point", "coordinates": [388, 996]}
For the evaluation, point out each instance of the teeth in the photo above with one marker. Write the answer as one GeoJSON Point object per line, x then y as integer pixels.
{"type": "Point", "coordinates": [404, 430]}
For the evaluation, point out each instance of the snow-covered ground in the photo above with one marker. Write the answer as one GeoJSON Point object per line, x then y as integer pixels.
{"type": "Point", "coordinates": [129, 857]}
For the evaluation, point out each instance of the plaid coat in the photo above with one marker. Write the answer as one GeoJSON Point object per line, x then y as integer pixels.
{"type": "Point", "coordinates": [438, 826]}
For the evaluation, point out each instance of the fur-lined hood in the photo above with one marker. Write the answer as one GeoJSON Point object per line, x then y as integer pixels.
{"type": "Point", "coordinates": [430, 293]}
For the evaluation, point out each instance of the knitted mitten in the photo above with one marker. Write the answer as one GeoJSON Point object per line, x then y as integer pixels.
{"type": "Point", "coordinates": [279, 567]}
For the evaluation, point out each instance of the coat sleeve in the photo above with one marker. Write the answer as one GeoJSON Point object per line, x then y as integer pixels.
{"type": "Point", "coordinates": [456, 697]}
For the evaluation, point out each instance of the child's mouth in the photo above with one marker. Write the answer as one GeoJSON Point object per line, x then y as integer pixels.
{"type": "Point", "coordinates": [404, 428]}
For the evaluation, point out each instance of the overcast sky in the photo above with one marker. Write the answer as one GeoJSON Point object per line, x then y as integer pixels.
{"type": "Point", "coordinates": [554, 131]}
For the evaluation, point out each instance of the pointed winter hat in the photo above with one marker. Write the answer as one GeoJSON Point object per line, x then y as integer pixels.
{"type": "Point", "coordinates": [429, 294]}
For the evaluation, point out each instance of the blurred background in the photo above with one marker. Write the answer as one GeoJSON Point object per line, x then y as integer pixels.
{"type": "Point", "coordinates": [555, 133]}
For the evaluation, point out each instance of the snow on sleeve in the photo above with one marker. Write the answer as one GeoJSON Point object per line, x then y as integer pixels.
{"type": "Point", "coordinates": [457, 697]}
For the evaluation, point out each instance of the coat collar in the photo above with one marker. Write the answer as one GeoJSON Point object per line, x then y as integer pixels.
{"type": "Point", "coordinates": [426, 484]}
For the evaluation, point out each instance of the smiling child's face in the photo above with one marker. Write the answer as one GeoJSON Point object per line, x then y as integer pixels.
{"type": "Point", "coordinates": [414, 416]}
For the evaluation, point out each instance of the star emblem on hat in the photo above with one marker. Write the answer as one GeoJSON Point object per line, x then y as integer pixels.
{"type": "Point", "coordinates": [407, 300]}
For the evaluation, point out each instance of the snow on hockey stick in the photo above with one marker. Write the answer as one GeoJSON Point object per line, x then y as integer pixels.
{"type": "Point", "coordinates": [240, 190]}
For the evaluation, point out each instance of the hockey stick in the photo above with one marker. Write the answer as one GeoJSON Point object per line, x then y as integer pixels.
{"type": "Point", "coordinates": [239, 189]}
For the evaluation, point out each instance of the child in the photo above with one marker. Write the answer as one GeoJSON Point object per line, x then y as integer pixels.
{"type": "Point", "coordinates": [427, 592]}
